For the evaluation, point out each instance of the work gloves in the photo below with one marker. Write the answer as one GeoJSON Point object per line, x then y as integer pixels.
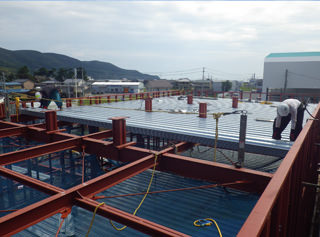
{"type": "Point", "coordinates": [292, 135]}
{"type": "Point", "coordinates": [276, 135]}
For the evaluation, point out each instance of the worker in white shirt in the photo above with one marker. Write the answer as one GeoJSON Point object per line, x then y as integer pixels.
{"type": "Point", "coordinates": [290, 109]}
{"type": "Point", "coordinates": [38, 93]}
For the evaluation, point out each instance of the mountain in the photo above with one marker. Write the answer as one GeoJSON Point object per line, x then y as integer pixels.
{"type": "Point", "coordinates": [12, 60]}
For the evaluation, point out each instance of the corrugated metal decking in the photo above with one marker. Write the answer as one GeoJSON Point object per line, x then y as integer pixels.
{"type": "Point", "coordinates": [186, 127]}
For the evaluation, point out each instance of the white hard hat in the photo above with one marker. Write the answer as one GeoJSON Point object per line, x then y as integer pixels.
{"type": "Point", "coordinates": [283, 109]}
{"type": "Point", "coordinates": [38, 88]}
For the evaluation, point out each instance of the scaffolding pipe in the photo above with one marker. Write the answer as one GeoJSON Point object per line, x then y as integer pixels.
{"type": "Point", "coordinates": [242, 139]}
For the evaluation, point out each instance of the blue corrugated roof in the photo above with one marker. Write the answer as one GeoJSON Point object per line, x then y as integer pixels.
{"type": "Point", "coordinates": [14, 90]}
{"type": "Point", "coordinates": [294, 54]}
{"type": "Point", "coordinates": [176, 210]}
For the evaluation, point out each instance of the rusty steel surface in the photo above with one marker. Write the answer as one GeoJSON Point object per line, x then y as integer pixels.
{"type": "Point", "coordinates": [285, 188]}
{"type": "Point", "coordinates": [214, 172]}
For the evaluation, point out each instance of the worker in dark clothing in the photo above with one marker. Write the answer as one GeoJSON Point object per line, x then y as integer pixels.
{"type": "Point", "coordinates": [47, 95]}
{"type": "Point", "coordinates": [290, 109]}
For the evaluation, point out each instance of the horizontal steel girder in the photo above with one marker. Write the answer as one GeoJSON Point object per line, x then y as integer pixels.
{"type": "Point", "coordinates": [129, 220]}
{"type": "Point", "coordinates": [215, 172]}
{"type": "Point", "coordinates": [6, 124]}
{"type": "Point", "coordinates": [14, 131]}
{"type": "Point", "coordinates": [29, 153]}
{"type": "Point", "coordinates": [31, 182]}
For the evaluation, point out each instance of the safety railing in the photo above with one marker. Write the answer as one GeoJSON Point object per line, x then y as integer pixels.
{"type": "Point", "coordinates": [286, 206]}
{"type": "Point", "coordinates": [108, 98]}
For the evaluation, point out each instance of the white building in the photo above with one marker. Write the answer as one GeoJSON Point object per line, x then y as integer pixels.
{"type": "Point", "coordinates": [292, 72]}
{"type": "Point", "coordinates": [101, 87]}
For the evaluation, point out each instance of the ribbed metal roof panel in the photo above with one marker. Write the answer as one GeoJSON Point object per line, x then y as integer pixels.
{"type": "Point", "coordinates": [176, 210]}
{"type": "Point", "coordinates": [187, 127]}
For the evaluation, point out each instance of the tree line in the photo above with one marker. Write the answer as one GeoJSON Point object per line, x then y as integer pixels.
{"type": "Point", "coordinates": [43, 74]}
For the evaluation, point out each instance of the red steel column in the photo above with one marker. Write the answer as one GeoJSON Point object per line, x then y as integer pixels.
{"type": "Point", "coordinates": [24, 104]}
{"type": "Point", "coordinates": [190, 99]}
{"type": "Point", "coordinates": [2, 111]}
{"type": "Point", "coordinates": [235, 102]}
{"type": "Point", "coordinates": [148, 104]}
{"type": "Point", "coordinates": [51, 120]}
{"type": "Point", "coordinates": [68, 104]}
{"type": "Point", "coordinates": [202, 110]}
{"type": "Point", "coordinates": [116, 98]}
{"type": "Point", "coordinates": [99, 99]}
{"type": "Point", "coordinates": [90, 99]}
{"type": "Point", "coordinates": [32, 104]}
{"type": "Point", "coordinates": [108, 98]}
{"type": "Point", "coordinates": [130, 97]}
{"type": "Point", "coordinates": [96, 100]}
{"type": "Point", "coordinates": [81, 102]}
{"type": "Point", "coordinates": [119, 130]}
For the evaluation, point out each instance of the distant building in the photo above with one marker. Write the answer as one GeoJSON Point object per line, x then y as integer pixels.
{"type": "Point", "coordinates": [74, 87]}
{"type": "Point", "coordinates": [116, 87]}
{"type": "Point", "coordinates": [52, 82]}
{"type": "Point", "coordinates": [158, 85]}
{"type": "Point", "coordinates": [256, 84]}
{"type": "Point", "coordinates": [182, 84]}
{"type": "Point", "coordinates": [12, 87]}
{"type": "Point", "coordinates": [203, 85]}
{"type": "Point", "coordinates": [25, 83]}
{"type": "Point", "coordinates": [217, 86]}
{"type": "Point", "coordinates": [235, 85]}
{"type": "Point", "coordinates": [292, 72]}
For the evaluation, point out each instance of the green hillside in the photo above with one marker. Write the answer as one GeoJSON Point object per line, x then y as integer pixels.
{"type": "Point", "coordinates": [12, 60]}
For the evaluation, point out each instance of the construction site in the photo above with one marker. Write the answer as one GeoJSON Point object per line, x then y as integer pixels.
{"type": "Point", "coordinates": [166, 163]}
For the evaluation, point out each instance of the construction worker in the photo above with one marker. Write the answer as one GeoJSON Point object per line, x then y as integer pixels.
{"type": "Point", "coordinates": [38, 93]}
{"type": "Point", "coordinates": [47, 95]}
{"type": "Point", "coordinates": [290, 109]}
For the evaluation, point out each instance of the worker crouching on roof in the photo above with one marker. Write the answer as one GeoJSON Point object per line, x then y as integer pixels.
{"type": "Point", "coordinates": [49, 94]}
{"type": "Point", "coordinates": [290, 109]}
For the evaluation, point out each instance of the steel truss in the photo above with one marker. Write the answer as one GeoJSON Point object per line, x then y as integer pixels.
{"type": "Point", "coordinates": [82, 195]}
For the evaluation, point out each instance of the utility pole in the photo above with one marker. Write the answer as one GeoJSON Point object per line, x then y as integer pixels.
{"type": "Point", "coordinates": [285, 81]}
{"type": "Point", "coordinates": [202, 81]}
{"type": "Point", "coordinates": [6, 98]}
{"type": "Point", "coordinates": [76, 84]}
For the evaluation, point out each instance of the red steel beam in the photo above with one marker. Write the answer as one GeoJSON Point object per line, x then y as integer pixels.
{"type": "Point", "coordinates": [214, 172]}
{"type": "Point", "coordinates": [100, 148]}
{"type": "Point", "coordinates": [32, 152]}
{"type": "Point", "coordinates": [127, 219]}
{"type": "Point", "coordinates": [34, 213]}
{"type": "Point", "coordinates": [31, 182]}
{"type": "Point", "coordinates": [6, 124]}
{"type": "Point", "coordinates": [103, 182]}
{"type": "Point", "coordinates": [132, 153]}
{"type": "Point", "coordinates": [15, 131]}
{"type": "Point", "coordinates": [100, 135]}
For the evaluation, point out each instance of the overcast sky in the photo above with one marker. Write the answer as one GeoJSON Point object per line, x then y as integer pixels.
{"type": "Point", "coordinates": [170, 39]}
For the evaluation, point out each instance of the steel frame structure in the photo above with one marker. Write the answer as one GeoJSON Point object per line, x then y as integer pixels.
{"type": "Point", "coordinates": [267, 216]}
